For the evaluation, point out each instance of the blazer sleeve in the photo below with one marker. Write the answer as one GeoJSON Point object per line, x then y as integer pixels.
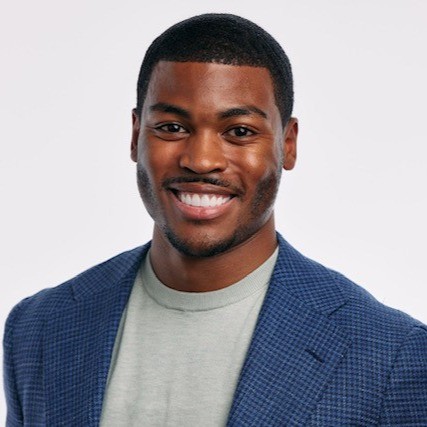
{"type": "Point", "coordinates": [405, 401]}
{"type": "Point", "coordinates": [14, 411]}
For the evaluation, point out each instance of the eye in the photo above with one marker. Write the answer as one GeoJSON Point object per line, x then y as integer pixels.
{"type": "Point", "coordinates": [240, 132]}
{"type": "Point", "coordinates": [171, 128]}
{"type": "Point", "coordinates": [170, 131]}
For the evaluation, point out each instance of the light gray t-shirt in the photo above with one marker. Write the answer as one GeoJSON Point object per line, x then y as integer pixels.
{"type": "Point", "coordinates": [178, 355]}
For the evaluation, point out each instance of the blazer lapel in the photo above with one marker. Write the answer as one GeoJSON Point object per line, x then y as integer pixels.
{"type": "Point", "coordinates": [78, 341]}
{"type": "Point", "coordinates": [295, 346]}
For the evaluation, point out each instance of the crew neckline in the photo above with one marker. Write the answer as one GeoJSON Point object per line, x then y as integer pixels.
{"type": "Point", "coordinates": [170, 298]}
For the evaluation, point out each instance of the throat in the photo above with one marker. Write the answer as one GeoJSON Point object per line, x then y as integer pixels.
{"type": "Point", "coordinates": [206, 274]}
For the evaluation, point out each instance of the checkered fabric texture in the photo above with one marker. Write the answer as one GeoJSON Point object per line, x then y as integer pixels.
{"type": "Point", "coordinates": [324, 351]}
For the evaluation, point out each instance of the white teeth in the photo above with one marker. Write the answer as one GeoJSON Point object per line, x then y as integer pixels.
{"type": "Point", "coordinates": [195, 200]}
{"type": "Point", "coordinates": [203, 200]}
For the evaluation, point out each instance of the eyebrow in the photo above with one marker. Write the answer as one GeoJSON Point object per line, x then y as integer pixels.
{"type": "Point", "coordinates": [231, 112]}
{"type": "Point", "coordinates": [242, 111]}
{"type": "Point", "coordinates": [162, 107]}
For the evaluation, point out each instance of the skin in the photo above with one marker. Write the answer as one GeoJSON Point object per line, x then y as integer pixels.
{"type": "Point", "coordinates": [210, 129]}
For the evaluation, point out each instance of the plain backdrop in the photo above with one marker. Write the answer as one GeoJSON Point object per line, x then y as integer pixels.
{"type": "Point", "coordinates": [356, 201]}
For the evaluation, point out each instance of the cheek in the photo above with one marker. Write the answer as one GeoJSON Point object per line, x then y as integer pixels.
{"type": "Point", "coordinates": [260, 165]}
{"type": "Point", "coordinates": [156, 157]}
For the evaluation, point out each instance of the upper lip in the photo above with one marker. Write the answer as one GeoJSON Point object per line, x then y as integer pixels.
{"type": "Point", "coordinates": [201, 188]}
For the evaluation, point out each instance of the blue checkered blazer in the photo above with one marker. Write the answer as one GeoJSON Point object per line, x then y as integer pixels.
{"type": "Point", "coordinates": [324, 352]}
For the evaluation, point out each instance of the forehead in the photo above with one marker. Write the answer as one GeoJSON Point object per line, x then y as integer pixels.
{"type": "Point", "coordinates": [211, 85]}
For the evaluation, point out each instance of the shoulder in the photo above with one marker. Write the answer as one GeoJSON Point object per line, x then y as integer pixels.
{"type": "Point", "coordinates": [388, 347]}
{"type": "Point", "coordinates": [363, 310]}
{"type": "Point", "coordinates": [381, 337]}
{"type": "Point", "coordinates": [32, 311]}
{"type": "Point", "coordinates": [382, 368]}
{"type": "Point", "coordinates": [368, 322]}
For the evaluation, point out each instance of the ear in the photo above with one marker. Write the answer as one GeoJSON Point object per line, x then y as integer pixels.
{"type": "Point", "coordinates": [136, 125]}
{"type": "Point", "coordinates": [290, 144]}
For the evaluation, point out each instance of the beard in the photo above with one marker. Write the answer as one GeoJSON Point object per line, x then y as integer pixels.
{"type": "Point", "coordinates": [191, 249]}
{"type": "Point", "coordinates": [205, 245]}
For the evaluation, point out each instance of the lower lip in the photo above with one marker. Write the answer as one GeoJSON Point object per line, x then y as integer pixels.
{"type": "Point", "coordinates": [199, 212]}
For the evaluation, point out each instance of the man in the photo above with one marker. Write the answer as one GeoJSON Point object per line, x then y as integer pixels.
{"type": "Point", "coordinates": [218, 320]}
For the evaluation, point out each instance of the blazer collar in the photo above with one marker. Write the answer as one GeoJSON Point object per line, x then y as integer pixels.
{"type": "Point", "coordinates": [120, 270]}
{"type": "Point", "coordinates": [308, 281]}
{"type": "Point", "coordinates": [295, 347]}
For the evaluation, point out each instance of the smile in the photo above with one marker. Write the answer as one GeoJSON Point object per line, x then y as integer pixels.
{"type": "Point", "coordinates": [202, 200]}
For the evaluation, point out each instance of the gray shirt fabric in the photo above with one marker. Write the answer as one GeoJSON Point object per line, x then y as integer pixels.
{"type": "Point", "coordinates": [178, 355]}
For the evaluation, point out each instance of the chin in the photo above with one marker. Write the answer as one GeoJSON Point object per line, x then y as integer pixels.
{"type": "Point", "coordinates": [204, 247]}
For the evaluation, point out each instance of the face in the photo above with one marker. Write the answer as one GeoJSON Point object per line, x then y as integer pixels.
{"type": "Point", "coordinates": [210, 148]}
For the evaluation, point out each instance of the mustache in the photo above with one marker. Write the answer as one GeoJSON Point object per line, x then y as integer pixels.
{"type": "Point", "coordinates": [202, 179]}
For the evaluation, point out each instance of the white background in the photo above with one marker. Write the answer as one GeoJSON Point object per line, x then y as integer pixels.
{"type": "Point", "coordinates": [356, 201]}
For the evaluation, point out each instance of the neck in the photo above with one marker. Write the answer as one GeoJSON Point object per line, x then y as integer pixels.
{"type": "Point", "coordinates": [192, 274]}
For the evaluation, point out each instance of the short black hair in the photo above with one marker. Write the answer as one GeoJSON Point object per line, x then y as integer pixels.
{"type": "Point", "coordinates": [224, 39]}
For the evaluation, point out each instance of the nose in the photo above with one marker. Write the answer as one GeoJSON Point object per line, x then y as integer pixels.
{"type": "Point", "coordinates": [203, 153]}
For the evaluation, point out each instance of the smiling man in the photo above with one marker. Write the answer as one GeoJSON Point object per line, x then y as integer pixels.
{"type": "Point", "coordinates": [217, 320]}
